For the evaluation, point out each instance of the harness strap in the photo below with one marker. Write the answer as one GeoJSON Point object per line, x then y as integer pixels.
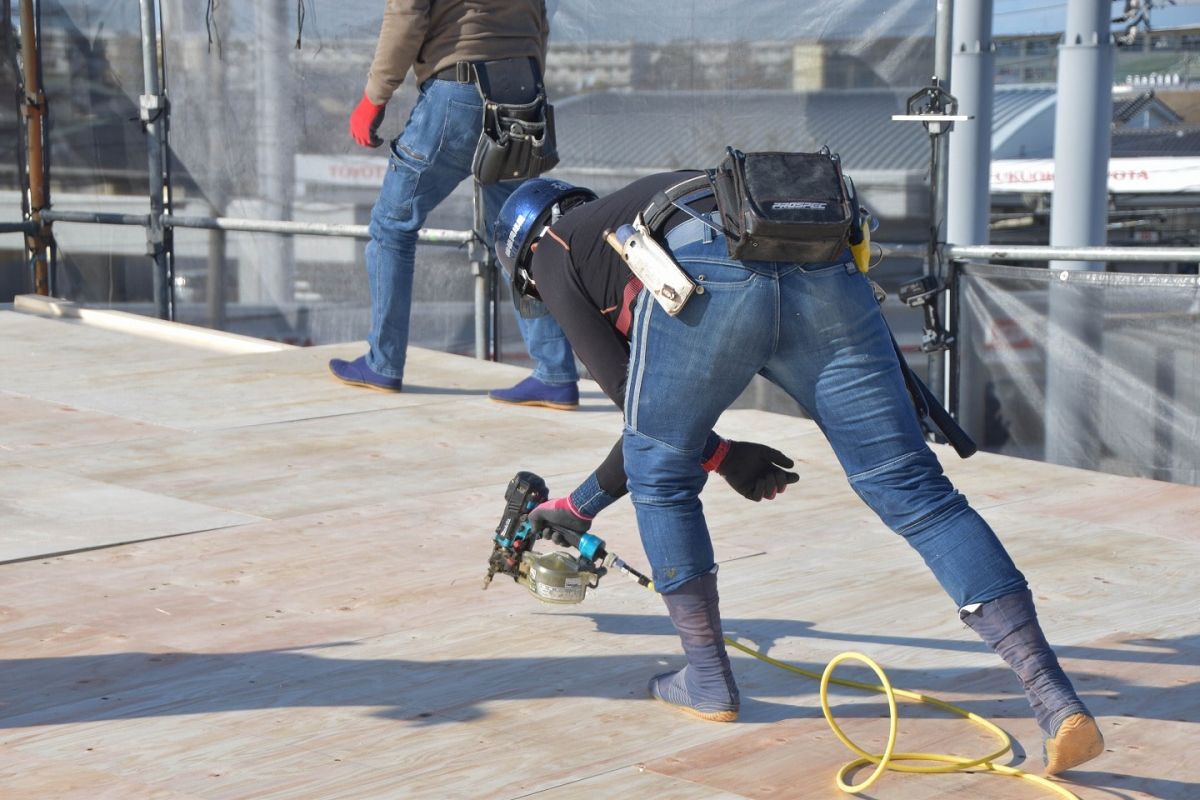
{"type": "Point", "coordinates": [625, 315]}
{"type": "Point", "coordinates": [662, 204]}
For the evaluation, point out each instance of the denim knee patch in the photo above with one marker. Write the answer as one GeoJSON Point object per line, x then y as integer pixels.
{"type": "Point", "coordinates": [907, 490]}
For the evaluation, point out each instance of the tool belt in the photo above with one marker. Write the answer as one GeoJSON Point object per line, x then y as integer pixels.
{"type": "Point", "coordinates": [784, 206]}
{"type": "Point", "coordinates": [517, 140]}
{"type": "Point", "coordinates": [795, 207]}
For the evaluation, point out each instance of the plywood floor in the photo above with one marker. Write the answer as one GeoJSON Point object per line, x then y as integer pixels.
{"type": "Point", "coordinates": [225, 575]}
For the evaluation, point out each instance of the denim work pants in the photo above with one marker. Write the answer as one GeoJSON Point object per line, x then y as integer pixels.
{"type": "Point", "coordinates": [816, 331]}
{"type": "Point", "coordinates": [428, 160]}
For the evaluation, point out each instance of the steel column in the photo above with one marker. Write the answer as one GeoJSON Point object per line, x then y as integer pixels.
{"type": "Point", "coordinates": [1079, 210]}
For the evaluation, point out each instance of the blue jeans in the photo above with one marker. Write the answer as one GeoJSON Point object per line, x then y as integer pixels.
{"type": "Point", "coordinates": [816, 331]}
{"type": "Point", "coordinates": [428, 160]}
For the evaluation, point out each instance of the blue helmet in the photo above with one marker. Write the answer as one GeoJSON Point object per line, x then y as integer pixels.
{"type": "Point", "coordinates": [528, 211]}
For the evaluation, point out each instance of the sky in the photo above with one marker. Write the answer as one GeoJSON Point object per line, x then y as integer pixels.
{"type": "Point", "coordinates": [1047, 16]}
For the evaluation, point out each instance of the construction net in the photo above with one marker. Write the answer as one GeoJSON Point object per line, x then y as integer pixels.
{"type": "Point", "coordinates": [260, 94]}
{"type": "Point", "coordinates": [1098, 370]}
{"type": "Point", "coordinates": [258, 100]}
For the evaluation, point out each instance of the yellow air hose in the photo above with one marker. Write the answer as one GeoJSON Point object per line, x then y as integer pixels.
{"type": "Point", "coordinates": [889, 759]}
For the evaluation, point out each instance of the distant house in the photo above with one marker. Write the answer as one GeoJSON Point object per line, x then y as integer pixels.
{"type": "Point", "coordinates": [1154, 157]}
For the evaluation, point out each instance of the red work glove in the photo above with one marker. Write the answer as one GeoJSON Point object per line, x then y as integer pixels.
{"type": "Point", "coordinates": [364, 122]}
{"type": "Point", "coordinates": [557, 513]}
{"type": "Point", "coordinates": [755, 471]}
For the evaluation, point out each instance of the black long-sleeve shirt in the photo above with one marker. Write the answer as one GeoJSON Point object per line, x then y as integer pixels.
{"type": "Point", "coordinates": [582, 281]}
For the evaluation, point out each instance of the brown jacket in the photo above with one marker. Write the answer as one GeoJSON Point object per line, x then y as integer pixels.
{"type": "Point", "coordinates": [430, 35]}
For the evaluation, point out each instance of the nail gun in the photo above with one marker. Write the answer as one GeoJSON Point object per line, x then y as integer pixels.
{"type": "Point", "coordinates": [556, 577]}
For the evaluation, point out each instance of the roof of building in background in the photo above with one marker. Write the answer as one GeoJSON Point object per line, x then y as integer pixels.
{"type": "Point", "coordinates": [769, 20]}
{"type": "Point", "coordinates": [661, 130]}
{"type": "Point", "coordinates": [1156, 142]}
{"type": "Point", "coordinates": [1011, 101]}
{"type": "Point", "coordinates": [1023, 120]}
{"type": "Point", "coordinates": [1127, 108]}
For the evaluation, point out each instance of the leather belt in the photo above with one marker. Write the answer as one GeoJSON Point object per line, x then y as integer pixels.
{"type": "Point", "coordinates": [462, 72]}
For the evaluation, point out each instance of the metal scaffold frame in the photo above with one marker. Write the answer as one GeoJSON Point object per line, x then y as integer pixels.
{"type": "Point", "coordinates": [154, 114]}
{"type": "Point", "coordinates": [39, 216]}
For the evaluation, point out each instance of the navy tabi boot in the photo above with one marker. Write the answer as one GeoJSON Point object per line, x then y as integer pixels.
{"type": "Point", "coordinates": [357, 373]}
{"type": "Point", "coordinates": [705, 687]}
{"type": "Point", "coordinates": [533, 392]}
{"type": "Point", "coordinates": [1009, 625]}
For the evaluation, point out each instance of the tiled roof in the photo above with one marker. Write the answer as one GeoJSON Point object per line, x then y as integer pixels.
{"type": "Point", "coordinates": [649, 130]}
{"type": "Point", "coordinates": [1009, 103]}
{"type": "Point", "coordinates": [1155, 142]}
{"type": "Point", "coordinates": [670, 130]}
{"type": "Point", "coordinates": [1126, 108]}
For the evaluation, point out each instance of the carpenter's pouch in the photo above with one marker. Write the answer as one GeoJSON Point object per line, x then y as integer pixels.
{"type": "Point", "coordinates": [783, 206]}
{"type": "Point", "coordinates": [517, 141]}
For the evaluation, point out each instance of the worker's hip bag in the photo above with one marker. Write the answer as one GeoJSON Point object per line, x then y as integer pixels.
{"type": "Point", "coordinates": [783, 206]}
{"type": "Point", "coordinates": [517, 140]}
{"type": "Point", "coordinates": [793, 207]}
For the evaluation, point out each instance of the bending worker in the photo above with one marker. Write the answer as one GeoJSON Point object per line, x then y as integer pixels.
{"type": "Point", "coordinates": [589, 297]}
{"type": "Point", "coordinates": [816, 331]}
{"type": "Point", "coordinates": [446, 43]}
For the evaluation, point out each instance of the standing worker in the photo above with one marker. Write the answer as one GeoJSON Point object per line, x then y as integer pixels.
{"type": "Point", "coordinates": [816, 331]}
{"type": "Point", "coordinates": [448, 44]}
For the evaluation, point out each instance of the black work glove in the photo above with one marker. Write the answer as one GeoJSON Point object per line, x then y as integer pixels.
{"type": "Point", "coordinates": [756, 471]}
{"type": "Point", "coordinates": [557, 513]}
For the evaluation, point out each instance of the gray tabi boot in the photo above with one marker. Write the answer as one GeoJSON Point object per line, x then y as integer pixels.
{"type": "Point", "coordinates": [705, 687]}
{"type": "Point", "coordinates": [1009, 625]}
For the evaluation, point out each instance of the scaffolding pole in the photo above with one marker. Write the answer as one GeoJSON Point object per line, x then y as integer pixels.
{"type": "Point", "coordinates": [39, 238]}
{"type": "Point", "coordinates": [939, 165]}
{"type": "Point", "coordinates": [153, 113]}
{"type": "Point", "coordinates": [286, 227]}
{"type": "Point", "coordinates": [483, 268]}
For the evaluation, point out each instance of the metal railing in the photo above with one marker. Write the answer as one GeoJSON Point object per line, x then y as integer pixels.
{"type": "Point", "coordinates": [1059, 365]}
{"type": "Point", "coordinates": [245, 224]}
{"type": "Point", "coordinates": [486, 324]}
{"type": "Point", "coordinates": [1190, 255]}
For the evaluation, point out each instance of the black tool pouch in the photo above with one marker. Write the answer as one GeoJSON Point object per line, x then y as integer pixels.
{"type": "Point", "coordinates": [517, 140]}
{"type": "Point", "coordinates": [783, 206]}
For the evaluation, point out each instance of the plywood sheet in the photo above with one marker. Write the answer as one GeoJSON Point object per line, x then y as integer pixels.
{"type": "Point", "coordinates": [353, 458]}
{"type": "Point", "coordinates": [40, 426]}
{"type": "Point", "coordinates": [319, 630]}
{"type": "Point", "coordinates": [48, 511]}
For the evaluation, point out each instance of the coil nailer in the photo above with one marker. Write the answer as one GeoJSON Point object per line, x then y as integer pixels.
{"type": "Point", "coordinates": [555, 577]}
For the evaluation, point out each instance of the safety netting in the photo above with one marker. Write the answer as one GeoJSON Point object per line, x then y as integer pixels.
{"type": "Point", "coordinates": [1098, 370]}
{"type": "Point", "coordinates": [259, 99]}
